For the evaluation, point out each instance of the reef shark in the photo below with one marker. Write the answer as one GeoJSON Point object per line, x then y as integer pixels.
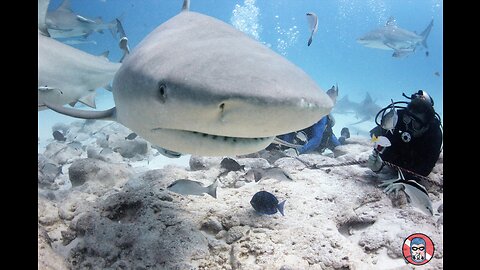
{"type": "Point", "coordinates": [365, 110]}
{"type": "Point", "coordinates": [64, 23]}
{"type": "Point", "coordinates": [196, 85]}
{"type": "Point", "coordinates": [65, 74]}
{"type": "Point", "coordinates": [392, 37]}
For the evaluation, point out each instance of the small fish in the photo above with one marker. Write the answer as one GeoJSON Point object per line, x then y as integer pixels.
{"type": "Point", "coordinates": [57, 135]}
{"type": "Point", "coordinates": [131, 136]}
{"type": "Point", "coordinates": [52, 169]}
{"type": "Point", "coordinates": [389, 120]}
{"type": "Point", "coordinates": [231, 165]}
{"type": "Point", "coordinates": [166, 152]}
{"type": "Point", "coordinates": [313, 25]}
{"type": "Point", "coordinates": [266, 203]}
{"type": "Point", "coordinates": [190, 187]}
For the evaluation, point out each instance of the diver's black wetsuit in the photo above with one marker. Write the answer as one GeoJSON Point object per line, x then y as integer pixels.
{"type": "Point", "coordinates": [419, 154]}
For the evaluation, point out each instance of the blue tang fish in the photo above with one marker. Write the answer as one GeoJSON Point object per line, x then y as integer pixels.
{"type": "Point", "coordinates": [266, 203]}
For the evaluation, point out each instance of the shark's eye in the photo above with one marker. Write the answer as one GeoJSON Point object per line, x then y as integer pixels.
{"type": "Point", "coordinates": [162, 92]}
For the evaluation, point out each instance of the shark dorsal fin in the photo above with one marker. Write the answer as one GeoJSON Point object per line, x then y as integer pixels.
{"type": "Point", "coordinates": [391, 22]}
{"type": "Point", "coordinates": [368, 99]}
{"type": "Point", "coordinates": [105, 54]}
{"type": "Point", "coordinates": [186, 5]}
{"type": "Point", "coordinates": [65, 5]}
{"type": "Point", "coordinates": [42, 14]}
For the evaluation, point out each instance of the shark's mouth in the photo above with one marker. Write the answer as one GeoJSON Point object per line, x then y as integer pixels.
{"type": "Point", "coordinates": [199, 143]}
{"type": "Point", "coordinates": [206, 136]}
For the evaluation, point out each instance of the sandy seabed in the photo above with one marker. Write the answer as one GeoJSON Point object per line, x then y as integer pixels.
{"type": "Point", "coordinates": [103, 204]}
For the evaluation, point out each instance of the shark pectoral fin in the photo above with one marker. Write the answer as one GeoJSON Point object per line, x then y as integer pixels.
{"type": "Point", "coordinates": [85, 20]}
{"type": "Point", "coordinates": [83, 114]}
{"type": "Point", "coordinates": [89, 100]}
{"type": "Point", "coordinates": [72, 103]}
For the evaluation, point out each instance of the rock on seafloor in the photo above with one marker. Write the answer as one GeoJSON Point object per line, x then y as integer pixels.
{"type": "Point", "coordinates": [109, 215]}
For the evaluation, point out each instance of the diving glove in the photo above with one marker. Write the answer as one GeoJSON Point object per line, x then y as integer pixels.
{"type": "Point", "coordinates": [375, 162]}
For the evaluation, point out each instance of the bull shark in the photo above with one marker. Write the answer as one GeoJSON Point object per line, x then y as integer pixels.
{"type": "Point", "coordinates": [64, 23]}
{"type": "Point", "coordinates": [196, 85]}
{"type": "Point", "coordinates": [365, 110]}
{"type": "Point", "coordinates": [392, 37]}
{"type": "Point", "coordinates": [65, 74]}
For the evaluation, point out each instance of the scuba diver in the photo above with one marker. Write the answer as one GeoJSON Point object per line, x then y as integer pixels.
{"type": "Point", "coordinates": [319, 136]}
{"type": "Point", "coordinates": [415, 136]}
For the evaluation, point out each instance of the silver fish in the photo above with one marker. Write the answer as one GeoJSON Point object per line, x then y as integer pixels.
{"type": "Point", "coordinates": [313, 25]}
{"type": "Point", "coordinates": [389, 120]}
{"type": "Point", "coordinates": [190, 187]}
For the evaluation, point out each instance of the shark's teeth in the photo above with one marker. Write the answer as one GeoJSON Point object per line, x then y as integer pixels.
{"type": "Point", "coordinates": [227, 138]}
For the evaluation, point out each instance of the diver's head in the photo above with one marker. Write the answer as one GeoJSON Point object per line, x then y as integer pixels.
{"type": "Point", "coordinates": [419, 114]}
{"type": "Point", "coordinates": [333, 93]}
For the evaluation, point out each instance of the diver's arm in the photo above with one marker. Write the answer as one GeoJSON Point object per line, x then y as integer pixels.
{"type": "Point", "coordinates": [314, 142]}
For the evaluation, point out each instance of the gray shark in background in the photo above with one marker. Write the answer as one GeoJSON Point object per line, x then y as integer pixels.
{"type": "Point", "coordinates": [365, 110]}
{"type": "Point", "coordinates": [196, 85]}
{"type": "Point", "coordinates": [65, 74]}
{"type": "Point", "coordinates": [392, 37]}
{"type": "Point", "coordinates": [64, 23]}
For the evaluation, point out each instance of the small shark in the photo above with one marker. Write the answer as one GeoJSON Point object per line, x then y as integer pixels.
{"type": "Point", "coordinates": [64, 23]}
{"type": "Point", "coordinates": [65, 74]}
{"type": "Point", "coordinates": [392, 37]}
{"type": "Point", "coordinates": [365, 110]}
{"type": "Point", "coordinates": [197, 85]}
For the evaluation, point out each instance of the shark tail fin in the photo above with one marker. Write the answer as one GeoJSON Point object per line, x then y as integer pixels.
{"type": "Point", "coordinates": [425, 33]}
{"type": "Point", "coordinates": [84, 114]}
{"type": "Point", "coordinates": [212, 189]}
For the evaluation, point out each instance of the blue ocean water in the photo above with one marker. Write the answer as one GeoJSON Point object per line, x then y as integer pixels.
{"type": "Point", "coordinates": [334, 56]}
